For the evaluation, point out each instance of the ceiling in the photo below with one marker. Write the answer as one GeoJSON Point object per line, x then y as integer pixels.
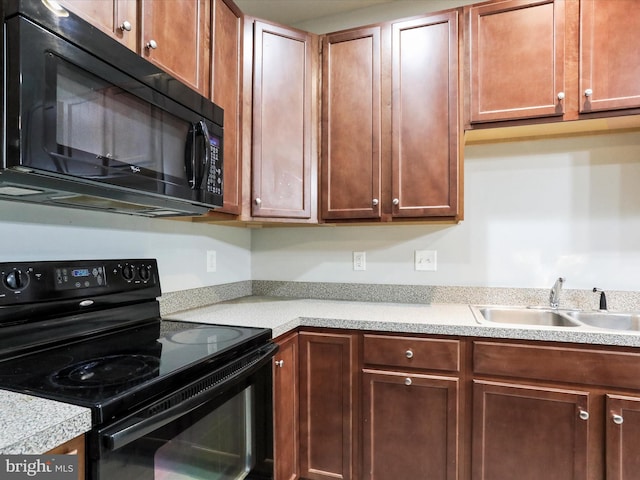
{"type": "Point", "coordinates": [292, 12]}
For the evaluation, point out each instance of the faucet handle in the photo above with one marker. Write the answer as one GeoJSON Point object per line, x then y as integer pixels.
{"type": "Point", "coordinates": [603, 298]}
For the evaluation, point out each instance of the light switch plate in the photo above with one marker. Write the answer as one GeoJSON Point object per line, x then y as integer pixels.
{"type": "Point", "coordinates": [426, 260]}
{"type": "Point", "coordinates": [359, 260]}
{"type": "Point", "coordinates": [211, 261]}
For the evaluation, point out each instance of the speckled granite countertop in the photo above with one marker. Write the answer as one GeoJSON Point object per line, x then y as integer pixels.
{"type": "Point", "coordinates": [283, 315]}
{"type": "Point", "coordinates": [32, 425]}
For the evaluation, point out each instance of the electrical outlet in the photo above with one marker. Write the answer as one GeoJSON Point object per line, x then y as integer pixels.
{"type": "Point", "coordinates": [211, 261]}
{"type": "Point", "coordinates": [359, 261]}
{"type": "Point", "coordinates": [426, 260]}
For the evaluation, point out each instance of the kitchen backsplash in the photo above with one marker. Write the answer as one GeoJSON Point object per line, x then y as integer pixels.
{"type": "Point", "coordinates": [581, 299]}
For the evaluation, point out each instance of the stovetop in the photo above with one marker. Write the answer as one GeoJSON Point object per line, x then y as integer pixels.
{"type": "Point", "coordinates": [114, 372]}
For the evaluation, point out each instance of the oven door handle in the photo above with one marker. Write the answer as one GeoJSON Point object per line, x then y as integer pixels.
{"type": "Point", "coordinates": [139, 425]}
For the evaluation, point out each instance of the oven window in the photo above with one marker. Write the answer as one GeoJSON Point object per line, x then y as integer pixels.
{"type": "Point", "coordinates": [218, 447]}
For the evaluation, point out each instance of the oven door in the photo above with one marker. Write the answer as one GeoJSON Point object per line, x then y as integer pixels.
{"type": "Point", "coordinates": [224, 432]}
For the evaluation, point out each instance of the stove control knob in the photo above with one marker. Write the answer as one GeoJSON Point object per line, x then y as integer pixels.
{"type": "Point", "coordinates": [128, 272]}
{"type": "Point", "coordinates": [16, 279]}
{"type": "Point", "coordinates": [145, 273]}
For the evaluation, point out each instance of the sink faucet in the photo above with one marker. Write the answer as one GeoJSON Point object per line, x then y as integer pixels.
{"type": "Point", "coordinates": [554, 294]}
{"type": "Point", "coordinates": [603, 298]}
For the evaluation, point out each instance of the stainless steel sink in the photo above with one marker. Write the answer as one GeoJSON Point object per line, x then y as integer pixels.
{"type": "Point", "coordinates": [608, 320]}
{"type": "Point", "coordinates": [525, 316]}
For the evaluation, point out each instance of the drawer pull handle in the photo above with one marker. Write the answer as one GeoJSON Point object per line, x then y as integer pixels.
{"type": "Point", "coordinates": [617, 419]}
{"type": "Point", "coordinates": [409, 353]}
{"type": "Point", "coordinates": [279, 363]}
{"type": "Point", "coordinates": [408, 381]}
{"type": "Point", "coordinates": [584, 415]}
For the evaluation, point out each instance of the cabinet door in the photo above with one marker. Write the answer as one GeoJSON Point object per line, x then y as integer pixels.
{"type": "Point", "coordinates": [529, 432]}
{"type": "Point", "coordinates": [117, 18]}
{"type": "Point", "coordinates": [285, 412]}
{"type": "Point", "coordinates": [425, 117]}
{"type": "Point", "coordinates": [516, 59]}
{"type": "Point", "coordinates": [609, 58]}
{"type": "Point", "coordinates": [622, 433]}
{"type": "Point", "coordinates": [226, 82]}
{"type": "Point", "coordinates": [328, 407]}
{"type": "Point", "coordinates": [176, 37]}
{"type": "Point", "coordinates": [351, 125]}
{"type": "Point", "coordinates": [282, 122]}
{"type": "Point", "coordinates": [410, 426]}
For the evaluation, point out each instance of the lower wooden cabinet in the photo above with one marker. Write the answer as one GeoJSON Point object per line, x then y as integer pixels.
{"type": "Point", "coordinates": [75, 446]}
{"type": "Point", "coordinates": [328, 405]}
{"type": "Point", "coordinates": [410, 426]}
{"type": "Point", "coordinates": [285, 409]}
{"type": "Point", "coordinates": [528, 432]}
{"type": "Point", "coordinates": [622, 417]}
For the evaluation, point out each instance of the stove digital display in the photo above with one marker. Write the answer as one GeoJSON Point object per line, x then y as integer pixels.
{"type": "Point", "coordinates": [73, 277]}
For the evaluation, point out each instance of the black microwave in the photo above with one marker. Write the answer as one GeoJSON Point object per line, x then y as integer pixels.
{"type": "Point", "coordinates": [90, 124]}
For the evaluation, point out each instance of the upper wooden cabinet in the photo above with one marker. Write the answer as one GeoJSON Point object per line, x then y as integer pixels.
{"type": "Point", "coordinates": [390, 121]}
{"type": "Point", "coordinates": [283, 146]}
{"type": "Point", "coordinates": [609, 56]}
{"type": "Point", "coordinates": [175, 36]}
{"type": "Point", "coordinates": [351, 125]}
{"type": "Point", "coordinates": [117, 18]}
{"type": "Point", "coordinates": [516, 59]}
{"type": "Point", "coordinates": [226, 91]}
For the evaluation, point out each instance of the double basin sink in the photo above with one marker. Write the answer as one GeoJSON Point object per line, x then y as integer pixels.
{"type": "Point", "coordinates": [548, 317]}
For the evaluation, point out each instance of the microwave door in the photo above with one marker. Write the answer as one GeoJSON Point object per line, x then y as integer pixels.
{"type": "Point", "coordinates": [197, 155]}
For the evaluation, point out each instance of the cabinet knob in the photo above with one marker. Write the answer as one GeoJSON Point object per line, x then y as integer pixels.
{"type": "Point", "coordinates": [279, 363]}
{"type": "Point", "coordinates": [407, 381]}
{"type": "Point", "coordinates": [151, 44]}
{"type": "Point", "coordinates": [125, 26]}
{"type": "Point", "coordinates": [588, 92]}
{"type": "Point", "coordinates": [258, 201]}
{"type": "Point", "coordinates": [396, 201]}
{"type": "Point", "coordinates": [617, 419]}
{"type": "Point", "coordinates": [375, 202]}
{"type": "Point", "coordinates": [409, 353]}
{"type": "Point", "coordinates": [584, 415]}
{"type": "Point", "coordinates": [561, 96]}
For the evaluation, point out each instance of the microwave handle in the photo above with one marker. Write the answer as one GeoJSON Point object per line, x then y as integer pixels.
{"type": "Point", "coordinates": [196, 167]}
{"type": "Point", "coordinates": [120, 435]}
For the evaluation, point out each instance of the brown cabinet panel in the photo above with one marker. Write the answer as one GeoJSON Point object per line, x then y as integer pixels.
{"type": "Point", "coordinates": [285, 413]}
{"type": "Point", "coordinates": [412, 352]}
{"type": "Point", "coordinates": [425, 116]}
{"type": "Point", "coordinates": [517, 59]}
{"type": "Point", "coordinates": [181, 30]}
{"type": "Point", "coordinates": [587, 366]}
{"type": "Point", "coordinates": [529, 432]}
{"type": "Point", "coordinates": [328, 410]}
{"type": "Point", "coordinates": [226, 82]}
{"type": "Point", "coordinates": [622, 433]}
{"type": "Point", "coordinates": [282, 123]}
{"type": "Point", "coordinates": [410, 426]}
{"type": "Point", "coordinates": [117, 18]}
{"type": "Point", "coordinates": [75, 446]}
{"type": "Point", "coordinates": [351, 125]}
{"type": "Point", "coordinates": [609, 60]}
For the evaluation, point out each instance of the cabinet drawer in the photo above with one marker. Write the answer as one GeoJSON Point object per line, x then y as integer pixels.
{"type": "Point", "coordinates": [412, 352]}
{"type": "Point", "coordinates": [585, 366]}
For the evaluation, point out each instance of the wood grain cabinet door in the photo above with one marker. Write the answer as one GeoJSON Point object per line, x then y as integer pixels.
{"type": "Point", "coordinates": [529, 432]}
{"type": "Point", "coordinates": [517, 55]}
{"type": "Point", "coordinates": [285, 412]}
{"type": "Point", "coordinates": [351, 125]}
{"type": "Point", "coordinates": [622, 434]}
{"type": "Point", "coordinates": [410, 426]}
{"type": "Point", "coordinates": [176, 36]}
{"type": "Point", "coordinates": [609, 55]}
{"type": "Point", "coordinates": [117, 18]}
{"type": "Point", "coordinates": [226, 83]}
{"type": "Point", "coordinates": [425, 117]}
{"type": "Point", "coordinates": [328, 407]}
{"type": "Point", "coordinates": [282, 92]}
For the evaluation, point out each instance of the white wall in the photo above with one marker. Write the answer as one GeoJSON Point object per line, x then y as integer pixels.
{"type": "Point", "coordinates": [29, 232]}
{"type": "Point", "coordinates": [534, 210]}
